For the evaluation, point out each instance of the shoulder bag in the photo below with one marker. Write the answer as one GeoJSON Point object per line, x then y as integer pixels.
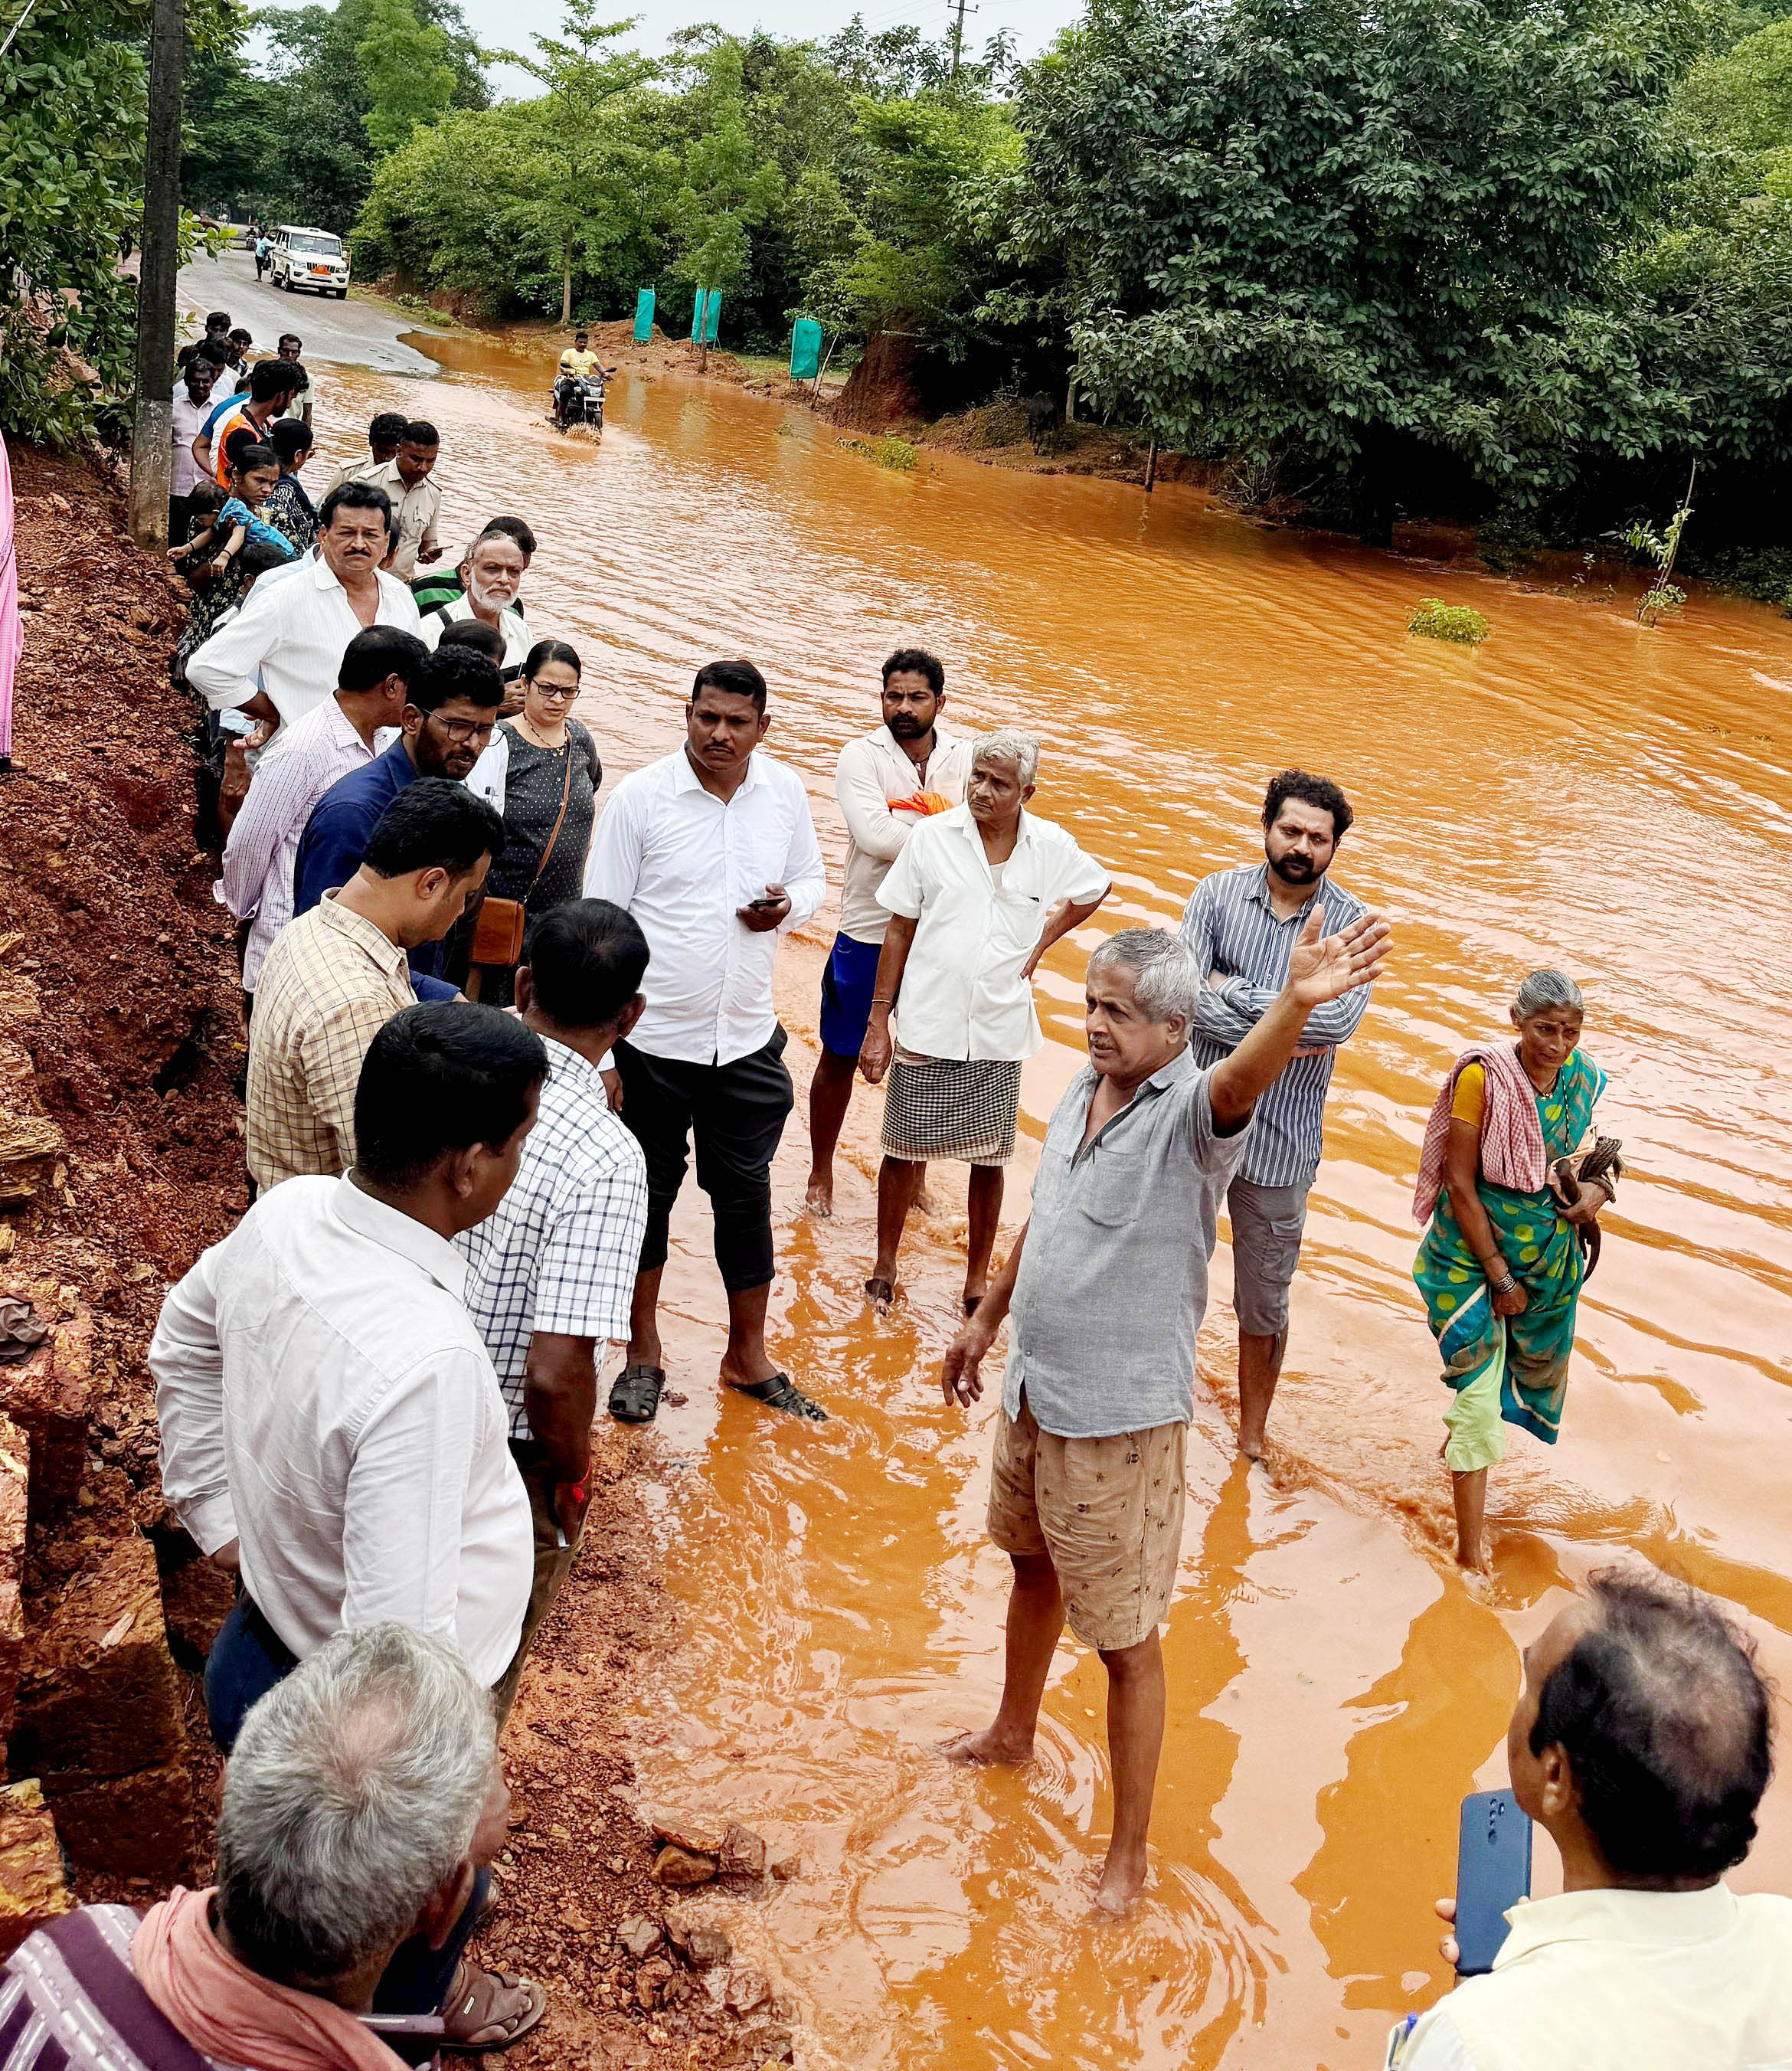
{"type": "Point", "coordinates": [498, 932]}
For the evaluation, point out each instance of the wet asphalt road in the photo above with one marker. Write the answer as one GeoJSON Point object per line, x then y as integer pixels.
{"type": "Point", "coordinates": [355, 333]}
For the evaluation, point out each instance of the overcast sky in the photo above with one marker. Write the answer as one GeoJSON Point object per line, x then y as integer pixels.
{"type": "Point", "coordinates": [509, 24]}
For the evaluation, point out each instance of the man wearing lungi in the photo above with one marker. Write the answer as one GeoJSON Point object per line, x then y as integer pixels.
{"type": "Point", "coordinates": [976, 898]}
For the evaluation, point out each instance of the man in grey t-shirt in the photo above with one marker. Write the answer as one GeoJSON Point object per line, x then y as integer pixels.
{"type": "Point", "coordinates": [1107, 1284]}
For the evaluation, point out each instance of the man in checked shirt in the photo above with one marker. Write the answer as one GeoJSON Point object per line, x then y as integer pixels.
{"type": "Point", "coordinates": [1240, 926]}
{"type": "Point", "coordinates": [551, 1273]}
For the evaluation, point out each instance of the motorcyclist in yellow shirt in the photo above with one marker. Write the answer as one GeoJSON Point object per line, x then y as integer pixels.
{"type": "Point", "coordinates": [578, 364]}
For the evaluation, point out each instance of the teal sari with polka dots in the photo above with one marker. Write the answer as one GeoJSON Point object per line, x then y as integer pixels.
{"type": "Point", "coordinates": [1530, 1352]}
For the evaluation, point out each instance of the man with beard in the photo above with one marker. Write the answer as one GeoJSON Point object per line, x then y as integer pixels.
{"type": "Point", "coordinates": [1241, 926]}
{"type": "Point", "coordinates": [452, 707]}
{"type": "Point", "coordinates": [887, 782]}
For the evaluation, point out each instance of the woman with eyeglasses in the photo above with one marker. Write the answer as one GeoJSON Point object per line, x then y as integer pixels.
{"type": "Point", "coordinates": [552, 777]}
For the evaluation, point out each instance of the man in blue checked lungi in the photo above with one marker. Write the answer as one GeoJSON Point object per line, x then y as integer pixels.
{"type": "Point", "coordinates": [976, 898]}
{"type": "Point", "coordinates": [1241, 926]}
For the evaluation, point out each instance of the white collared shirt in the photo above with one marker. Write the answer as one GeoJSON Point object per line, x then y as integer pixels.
{"type": "Point", "coordinates": [682, 862]}
{"type": "Point", "coordinates": [326, 1400]}
{"type": "Point", "coordinates": [963, 993]}
{"type": "Point", "coordinates": [298, 765]}
{"type": "Point", "coordinates": [872, 771]}
{"type": "Point", "coordinates": [1618, 1980]}
{"type": "Point", "coordinates": [294, 634]}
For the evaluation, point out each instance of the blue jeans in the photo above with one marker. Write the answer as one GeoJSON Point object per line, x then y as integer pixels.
{"type": "Point", "coordinates": [247, 1659]}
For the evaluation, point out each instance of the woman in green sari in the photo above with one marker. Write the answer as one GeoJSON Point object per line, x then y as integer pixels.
{"type": "Point", "coordinates": [1500, 1267]}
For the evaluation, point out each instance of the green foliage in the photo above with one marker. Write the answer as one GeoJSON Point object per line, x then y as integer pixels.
{"type": "Point", "coordinates": [73, 100]}
{"type": "Point", "coordinates": [297, 142]}
{"type": "Point", "coordinates": [1459, 624]}
{"type": "Point", "coordinates": [1303, 228]}
{"type": "Point", "coordinates": [895, 454]}
{"type": "Point", "coordinates": [404, 66]}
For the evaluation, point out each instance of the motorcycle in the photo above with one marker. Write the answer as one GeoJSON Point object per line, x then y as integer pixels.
{"type": "Point", "coordinates": [578, 400]}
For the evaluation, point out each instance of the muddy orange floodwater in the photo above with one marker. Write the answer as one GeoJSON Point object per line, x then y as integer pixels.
{"type": "Point", "coordinates": [1578, 793]}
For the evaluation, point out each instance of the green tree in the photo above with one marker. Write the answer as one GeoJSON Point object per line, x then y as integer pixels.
{"type": "Point", "coordinates": [404, 67]}
{"type": "Point", "coordinates": [1374, 245]}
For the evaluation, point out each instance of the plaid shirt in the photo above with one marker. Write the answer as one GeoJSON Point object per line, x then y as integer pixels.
{"type": "Point", "coordinates": [331, 981]}
{"type": "Point", "coordinates": [561, 1251]}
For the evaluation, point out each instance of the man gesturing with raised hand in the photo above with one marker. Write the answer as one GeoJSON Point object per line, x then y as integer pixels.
{"type": "Point", "coordinates": [1107, 1285]}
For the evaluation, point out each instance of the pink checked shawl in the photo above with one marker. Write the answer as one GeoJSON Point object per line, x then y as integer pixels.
{"type": "Point", "coordinates": [1511, 1135]}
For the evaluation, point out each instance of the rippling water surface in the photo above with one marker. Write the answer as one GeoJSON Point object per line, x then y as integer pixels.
{"type": "Point", "coordinates": [1580, 792]}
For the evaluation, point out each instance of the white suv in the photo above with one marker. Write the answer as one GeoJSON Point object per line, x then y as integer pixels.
{"type": "Point", "coordinates": [304, 258]}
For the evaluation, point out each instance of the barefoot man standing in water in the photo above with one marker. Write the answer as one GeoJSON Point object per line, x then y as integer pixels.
{"type": "Point", "coordinates": [1107, 1284]}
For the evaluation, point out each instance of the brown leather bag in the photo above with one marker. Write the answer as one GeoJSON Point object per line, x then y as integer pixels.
{"type": "Point", "coordinates": [498, 932]}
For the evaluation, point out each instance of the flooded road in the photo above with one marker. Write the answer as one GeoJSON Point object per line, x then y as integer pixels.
{"type": "Point", "coordinates": [1578, 793]}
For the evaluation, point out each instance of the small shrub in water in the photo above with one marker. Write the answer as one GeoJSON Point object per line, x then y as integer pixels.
{"type": "Point", "coordinates": [1460, 624]}
{"type": "Point", "coordinates": [885, 452]}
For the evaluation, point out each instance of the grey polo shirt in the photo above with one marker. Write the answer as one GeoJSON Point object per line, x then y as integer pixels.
{"type": "Point", "coordinates": [1113, 1282]}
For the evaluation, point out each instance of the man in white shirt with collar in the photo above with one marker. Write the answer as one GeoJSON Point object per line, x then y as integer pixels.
{"type": "Point", "coordinates": [713, 851]}
{"type": "Point", "coordinates": [415, 498]}
{"type": "Point", "coordinates": [887, 782]}
{"type": "Point", "coordinates": [1642, 1743]}
{"type": "Point", "coordinates": [331, 1425]}
{"type": "Point", "coordinates": [976, 899]}
{"type": "Point", "coordinates": [290, 635]}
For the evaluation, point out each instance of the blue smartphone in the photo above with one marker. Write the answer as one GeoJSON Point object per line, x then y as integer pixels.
{"type": "Point", "coordinates": [1493, 1873]}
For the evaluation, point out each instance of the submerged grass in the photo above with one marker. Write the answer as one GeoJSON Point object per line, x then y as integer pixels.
{"type": "Point", "coordinates": [1459, 624]}
{"type": "Point", "coordinates": [885, 452]}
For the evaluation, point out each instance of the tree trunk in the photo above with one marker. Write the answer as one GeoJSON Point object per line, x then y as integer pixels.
{"type": "Point", "coordinates": [566, 286]}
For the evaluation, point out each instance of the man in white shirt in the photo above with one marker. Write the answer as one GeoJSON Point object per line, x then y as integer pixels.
{"type": "Point", "coordinates": [192, 407]}
{"type": "Point", "coordinates": [305, 759]}
{"type": "Point", "coordinates": [415, 498]}
{"type": "Point", "coordinates": [887, 782]}
{"type": "Point", "coordinates": [551, 1273]}
{"type": "Point", "coordinates": [331, 1425]}
{"type": "Point", "coordinates": [977, 897]}
{"type": "Point", "coordinates": [1641, 1744]}
{"type": "Point", "coordinates": [291, 635]}
{"type": "Point", "coordinates": [713, 851]}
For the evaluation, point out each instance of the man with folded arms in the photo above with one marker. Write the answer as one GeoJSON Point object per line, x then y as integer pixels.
{"type": "Point", "coordinates": [1107, 1285]}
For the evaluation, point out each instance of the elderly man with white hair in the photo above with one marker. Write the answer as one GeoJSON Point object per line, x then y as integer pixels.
{"type": "Point", "coordinates": [976, 898]}
{"type": "Point", "coordinates": [1107, 1285]}
{"type": "Point", "coordinates": [362, 1805]}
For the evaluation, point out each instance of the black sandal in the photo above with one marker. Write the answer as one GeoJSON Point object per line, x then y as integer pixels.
{"type": "Point", "coordinates": [881, 1294]}
{"type": "Point", "coordinates": [635, 1398]}
{"type": "Point", "coordinates": [777, 1394]}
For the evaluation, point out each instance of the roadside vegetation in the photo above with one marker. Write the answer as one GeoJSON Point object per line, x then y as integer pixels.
{"type": "Point", "coordinates": [1519, 263]}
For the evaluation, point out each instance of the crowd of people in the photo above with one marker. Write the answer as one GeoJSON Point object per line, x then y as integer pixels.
{"type": "Point", "coordinates": [488, 1027]}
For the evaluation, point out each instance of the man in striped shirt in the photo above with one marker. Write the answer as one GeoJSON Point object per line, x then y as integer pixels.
{"type": "Point", "coordinates": [1241, 926]}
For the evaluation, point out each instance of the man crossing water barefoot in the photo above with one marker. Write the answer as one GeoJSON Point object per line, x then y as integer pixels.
{"type": "Point", "coordinates": [1107, 1285]}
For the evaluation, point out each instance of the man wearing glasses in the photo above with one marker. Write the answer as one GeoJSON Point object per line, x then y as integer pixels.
{"type": "Point", "coordinates": [452, 707]}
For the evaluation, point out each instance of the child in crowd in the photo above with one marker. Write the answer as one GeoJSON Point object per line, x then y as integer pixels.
{"type": "Point", "coordinates": [254, 470]}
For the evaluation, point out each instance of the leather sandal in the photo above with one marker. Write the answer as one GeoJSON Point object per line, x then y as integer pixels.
{"type": "Point", "coordinates": [635, 1398]}
{"type": "Point", "coordinates": [777, 1394]}
{"type": "Point", "coordinates": [489, 2010]}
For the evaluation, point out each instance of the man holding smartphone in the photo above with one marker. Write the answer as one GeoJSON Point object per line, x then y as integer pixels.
{"type": "Point", "coordinates": [713, 851]}
{"type": "Point", "coordinates": [1641, 1743]}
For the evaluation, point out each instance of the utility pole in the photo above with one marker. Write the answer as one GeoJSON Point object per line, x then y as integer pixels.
{"type": "Point", "coordinates": [153, 433]}
{"type": "Point", "coordinates": [958, 34]}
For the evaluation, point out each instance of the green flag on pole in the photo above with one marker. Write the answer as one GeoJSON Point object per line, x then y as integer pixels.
{"type": "Point", "coordinates": [697, 318]}
{"type": "Point", "coordinates": [806, 349]}
{"type": "Point", "coordinates": [715, 316]}
{"type": "Point", "coordinates": [643, 315]}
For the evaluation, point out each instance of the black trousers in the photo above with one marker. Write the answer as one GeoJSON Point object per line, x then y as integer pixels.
{"type": "Point", "coordinates": [736, 1112]}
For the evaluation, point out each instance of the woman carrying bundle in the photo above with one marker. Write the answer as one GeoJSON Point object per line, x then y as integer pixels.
{"type": "Point", "coordinates": [1509, 1209]}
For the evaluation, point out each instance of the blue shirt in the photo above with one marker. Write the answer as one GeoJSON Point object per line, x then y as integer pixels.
{"type": "Point", "coordinates": [237, 512]}
{"type": "Point", "coordinates": [1231, 931]}
{"type": "Point", "coordinates": [336, 838]}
